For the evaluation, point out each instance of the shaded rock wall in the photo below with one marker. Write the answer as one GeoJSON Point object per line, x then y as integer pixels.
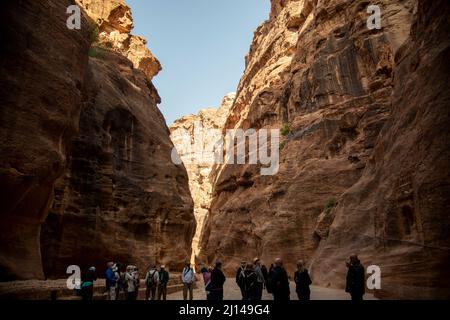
{"type": "Point", "coordinates": [43, 65]}
{"type": "Point", "coordinates": [316, 70]}
{"type": "Point", "coordinates": [85, 151]}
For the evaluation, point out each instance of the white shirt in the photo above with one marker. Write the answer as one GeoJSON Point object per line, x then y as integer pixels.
{"type": "Point", "coordinates": [188, 275]}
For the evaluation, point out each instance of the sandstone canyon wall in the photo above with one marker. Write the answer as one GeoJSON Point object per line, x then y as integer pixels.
{"type": "Point", "coordinates": [359, 133]}
{"type": "Point", "coordinates": [85, 150]}
{"type": "Point", "coordinates": [199, 169]}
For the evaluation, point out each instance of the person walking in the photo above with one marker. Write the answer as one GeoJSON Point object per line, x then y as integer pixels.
{"type": "Point", "coordinates": [151, 283]}
{"type": "Point", "coordinates": [162, 285]}
{"type": "Point", "coordinates": [188, 279]}
{"type": "Point", "coordinates": [356, 278]}
{"type": "Point", "coordinates": [260, 279]}
{"type": "Point", "coordinates": [87, 284]}
{"type": "Point", "coordinates": [302, 282]}
{"type": "Point", "coordinates": [131, 284]}
{"type": "Point", "coordinates": [216, 283]}
{"type": "Point", "coordinates": [110, 281]}
{"type": "Point", "coordinates": [240, 277]}
{"type": "Point", "coordinates": [280, 282]}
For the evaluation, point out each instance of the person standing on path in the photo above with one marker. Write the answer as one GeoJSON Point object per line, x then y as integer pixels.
{"type": "Point", "coordinates": [151, 283]}
{"type": "Point", "coordinates": [240, 277]}
{"type": "Point", "coordinates": [131, 283]}
{"type": "Point", "coordinates": [302, 282]}
{"type": "Point", "coordinates": [87, 284]}
{"type": "Point", "coordinates": [250, 283]}
{"type": "Point", "coordinates": [188, 279]}
{"type": "Point", "coordinates": [206, 273]}
{"type": "Point", "coordinates": [110, 281]}
{"type": "Point", "coordinates": [356, 278]}
{"type": "Point", "coordinates": [162, 285]}
{"type": "Point", "coordinates": [260, 279]}
{"type": "Point", "coordinates": [215, 286]}
{"type": "Point", "coordinates": [280, 280]}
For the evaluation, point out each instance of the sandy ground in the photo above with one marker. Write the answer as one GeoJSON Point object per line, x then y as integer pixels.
{"type": "Point", "coordinates": [232, 292]}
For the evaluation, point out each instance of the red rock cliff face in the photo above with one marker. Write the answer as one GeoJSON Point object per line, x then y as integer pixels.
{"type": "Point", "coordinates": [397, 214]}
{"type": "Point", "coordinates": [82, 124]}
{"type": "Point", "coordinates": [316, 70]}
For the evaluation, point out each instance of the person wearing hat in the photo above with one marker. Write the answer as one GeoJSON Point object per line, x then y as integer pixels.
{"type": "Point", "coordinates": [215, 286]}
{"type": "Point", "coordinates": [163, 280]}
{"type": "Point", "coordinates": [259, 285]}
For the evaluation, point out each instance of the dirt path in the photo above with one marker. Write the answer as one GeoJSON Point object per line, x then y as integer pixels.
{"type": "Point", "coordinates": [232, 292]}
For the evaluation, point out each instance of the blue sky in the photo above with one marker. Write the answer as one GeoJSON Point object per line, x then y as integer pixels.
{"type": "Point", "coordinates": [201, 45]}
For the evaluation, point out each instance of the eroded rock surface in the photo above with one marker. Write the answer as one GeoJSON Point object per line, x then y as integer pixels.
{"type": "Point", "coordinates": [316, 71]}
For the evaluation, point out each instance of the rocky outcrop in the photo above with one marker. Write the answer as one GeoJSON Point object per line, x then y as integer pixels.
{"type": "Point", "coordinates": [114, 24]}
{"type": "Point", "coordinates": [315, 70]}
{"type": "Point", "coordinates": [80, 124]}
{"type": "Point", "coordinates": [196, 128]}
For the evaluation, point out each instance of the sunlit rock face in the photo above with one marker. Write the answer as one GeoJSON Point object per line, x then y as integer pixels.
{"type": "Point", "coordinates": [86, 166]}
{"type": "Point", "coordinates": [115, 23]}
{"type": "Point", "coordinates": [199, 166]}
{"type": "Point", "coordinates": [338, 91]}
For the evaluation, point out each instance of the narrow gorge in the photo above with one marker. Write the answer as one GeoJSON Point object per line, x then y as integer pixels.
{"type": "Point", "coordinates": [87, 165]}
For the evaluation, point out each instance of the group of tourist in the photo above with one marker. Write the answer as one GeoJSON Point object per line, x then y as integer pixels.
{"type": "Point", "coordinates": [251, 278]}
{"type": "Point", "coordinates": [118, 281]}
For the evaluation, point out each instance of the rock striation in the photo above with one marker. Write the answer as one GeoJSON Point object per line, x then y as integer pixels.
{"type": "Point", "coordinates": [363, 168]}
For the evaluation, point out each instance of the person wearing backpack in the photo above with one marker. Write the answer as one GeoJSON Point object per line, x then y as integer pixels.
{"type": "Point", "coordinates": [188, 279]}
{"type": "Point", "coordinates": [162, 285]}
{"type": "Point", "coordinates": [250, 283]}
{"type": "Point", "coordinates": [151, 283]}
{"type": "Point", "coordinates": [240, 278]}
{"type": "Point", "coordinates": [302, 282]}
